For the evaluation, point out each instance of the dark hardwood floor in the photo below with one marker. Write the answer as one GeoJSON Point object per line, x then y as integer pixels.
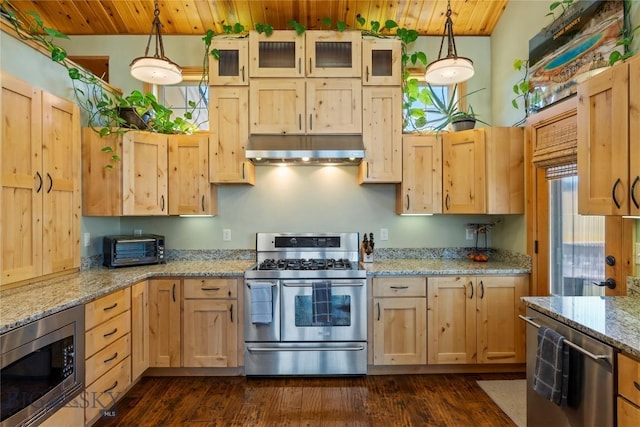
{"type": "Point", "coordinates": [384, 400]}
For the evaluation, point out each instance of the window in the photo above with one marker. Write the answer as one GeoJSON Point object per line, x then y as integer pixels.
{"type": "Point", "coordinates": [576, 242]}
{"type": "Point", "coordinates": [177, 97]}
{"type": "Point", "coordinates": [412, 125]}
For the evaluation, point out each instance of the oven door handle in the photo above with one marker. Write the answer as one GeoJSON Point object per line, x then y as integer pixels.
{"type": "Point", "coordinates": [275, 349]}
{"type": "Point", "coordinates": [308, 285]}
{"type": "Point", "coordinates": [272, 284]}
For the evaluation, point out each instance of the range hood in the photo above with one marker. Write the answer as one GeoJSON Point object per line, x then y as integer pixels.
{"type": "Point", "coordinates": [305, 149]}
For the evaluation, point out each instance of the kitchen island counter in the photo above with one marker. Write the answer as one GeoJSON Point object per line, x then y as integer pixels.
{"type": "Point", "coordinates": [35, 301]}
{"type": "Point", "coordinates": [613, 320]}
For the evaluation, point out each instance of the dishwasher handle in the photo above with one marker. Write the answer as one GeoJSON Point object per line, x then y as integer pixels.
{"type": "Point", "coordinates": [596, 357]}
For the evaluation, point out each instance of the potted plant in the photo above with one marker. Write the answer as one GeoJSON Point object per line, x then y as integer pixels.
{"type": "Point", "coordinates": [450, 112]}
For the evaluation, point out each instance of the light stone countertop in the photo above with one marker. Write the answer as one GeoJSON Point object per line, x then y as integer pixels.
{"type": "Point", "coordinates": [613, 320]}
{"type": "Point", "coordinates": [443, 266]}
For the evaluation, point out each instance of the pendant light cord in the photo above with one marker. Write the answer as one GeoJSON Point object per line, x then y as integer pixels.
{"type": "Point", "coordinates": [448, 33]}
{"type": "Point", "coordinates": [156, 27]}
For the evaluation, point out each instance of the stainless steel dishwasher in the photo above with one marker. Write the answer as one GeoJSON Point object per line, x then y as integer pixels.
{"type": "Point", "coordinates": [592, 395]}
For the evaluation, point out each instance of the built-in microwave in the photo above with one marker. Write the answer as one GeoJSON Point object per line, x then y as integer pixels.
{"type": "Point", "coordinates": [41, 367]}
{"type": "Point", "coordinates": [126, 250]}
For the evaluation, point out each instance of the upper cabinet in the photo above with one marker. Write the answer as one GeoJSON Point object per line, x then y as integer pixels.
{"type": "Point", "coordinates": [40, 181]}
{"type": "Point", "coordinates": [421, 189]}
{"type": "Point", "coordinates": [138, 184]}
{"type": "Point", "coordinates": [333, 53]}
{"type": "Point", "coordinates": [381, 62]}
{"type": "Point", "coordinates": [608, 115]}
{"type": "Point", "coordinates": [279, 55]}
{"type": "Point", "coordinates": [231, 68]}
{"type": "Point", "coordinates": [483, 171]}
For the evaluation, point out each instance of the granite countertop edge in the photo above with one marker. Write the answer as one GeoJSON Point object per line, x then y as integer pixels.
{"type": "Point", "coordinates": [26, 304]}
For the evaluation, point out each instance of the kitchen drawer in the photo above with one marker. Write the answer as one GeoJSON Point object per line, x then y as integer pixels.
{"type": "Point", "coordinates": [210, 288]}
{"type": "Point", "coordinates": [400, 287]}
{"type": "Point", "coordinates": [628, 414]}
{"type": "Point", "coordinates": [107, 333]}
{"type": "Point", "coordinates": [106, 390]}
{"type": "Point", "coordinates": [105, 359]}
{"type": "Point", "coordinates": [105, 308]}
{"type": "Point", "coordinates": [629, 378]}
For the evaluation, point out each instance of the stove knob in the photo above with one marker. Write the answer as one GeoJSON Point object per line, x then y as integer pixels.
{"type": "Point", "coordinates": [293, 241]}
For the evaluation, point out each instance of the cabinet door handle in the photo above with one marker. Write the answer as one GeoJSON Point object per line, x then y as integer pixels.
{"type": "Point", "coordinates": [633, 192]}
{"type": "Point", "coordinates": [481, 289]}
{"type": "Point", "coordinates": [108, 334]}
{"type": "Point", "coordinates": [242, 71]}
{"type": "Point", "coordinates": [407, 204]}
{"type": "Point", "coordinates": [203, 203]}
{"type": "Point", "coordinates": [310, 121]}
{"type": "Point", "coordinates": [471, 286]}
{"type": "Point", "coordinates": [399, 287]}
{"type": "Point", "coordinates": [367, 74]}
{"type": "Point", "coordinates": [446, 202]}
{"type": "Point", "coordinates": [111, 307]}
{"type": "Point", "coordinates": [231, 312]}
{"type": "Point", "coordinates": [310, 66]}
{"type": "Point", "coordinates": [378, 311]}
{"type": "Point", "coordinates": [115, 356]}
{"type": "Point", "coordinates": [299, 121]}
{"type": "Point", "coordinates": [39, 182]}
{"type": "Point", "coordinates": [112, 387]}
{"type": "Point", "coordinates": [162, 203]}
{"type": "Point", "coordinates": [299, 65]}
{"type": "Point", "coordinates": [50, 183]}
{"type": "Point", "coordinates": [210, 289]}
{"type": "Point", "coordinates": [613, 192]}
{"type": "Point", "coordinates": [242, 170]}
{"type": "Point", "coordinates": [173, 292]}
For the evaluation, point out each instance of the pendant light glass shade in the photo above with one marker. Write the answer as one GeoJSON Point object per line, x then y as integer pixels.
{"type": "Point", "coordinates": [452, 68]}
{"type": "Point", "coordinates": [156, 69]}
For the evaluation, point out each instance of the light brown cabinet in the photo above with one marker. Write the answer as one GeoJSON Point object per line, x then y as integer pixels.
{"type": "Point", "coordinates": [483, 171]}
{"type": "Point", "coordinates": [210, 323]}
{"type": "Point", "coordinates": [628, 391]}
{"type": "Point", "coordinates": [190, 192]}
{"type": "Point", "coordinates": [231, 68]}
{"type": "Point", "coordinates": [164, 323]}
{"type": "Point", "coordinates": [421, 189]}
{"type": "Point", "coordinates": [107, 352]}
{"type": "Point", "coordinates": [229, 123]}
{"type": "Point", "coordinates": [609, 141]}
{"type": "Point", "coordinates": [280, 54]}
{"type": "Point", "coordinates": [399, 321]}
{"type": "Point", "coordinates": [381, 135]}
{"type": "Point", "coordinates": [139, 329]}
{"type": "Point", "coordinates": [305, 106]}
{"type": "Point", "coordinates": [475, 319]}
{"type": "Point", "coordinates": [40, 181]}
{"type": "Point", "coordinates": [333, 53]}
{"type": "Point", "coordinates": [381, 62]}
{"type": "Point", "coordinates": [156, 175]}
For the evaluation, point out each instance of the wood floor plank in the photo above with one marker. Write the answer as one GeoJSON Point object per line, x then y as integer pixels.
{"type": "Point", "coordinates": [385, 400]}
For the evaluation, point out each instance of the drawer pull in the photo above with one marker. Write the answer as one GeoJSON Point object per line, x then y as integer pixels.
{"type": "Point", "coordinates": [399, 287]}
{"type": "Point", "coordinates": [111, 307]}
{"type": "Point", "coordinates": [112, 387]}
{"type": "Point", "coordinates": [115, 356]}
{"type": "Point", "coordinates": [636, 385]}
{"type": "Point", "coordinates": [110, 333]}
{"type": "Point", "coordinates": [210, 289]}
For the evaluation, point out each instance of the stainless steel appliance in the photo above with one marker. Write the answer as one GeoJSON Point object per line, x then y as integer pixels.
{"type": "Point", "coordinates": [285, 336]}
{"type": "Point", "coordinates": [126, 250]}
{"type": "Point", "coordinates": [41, 367]}
{"type": "Point", "coordinates": [591, 398]}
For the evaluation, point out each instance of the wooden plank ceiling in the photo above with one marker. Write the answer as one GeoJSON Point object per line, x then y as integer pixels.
{"type": "Point", "coordinates": [194, 17]}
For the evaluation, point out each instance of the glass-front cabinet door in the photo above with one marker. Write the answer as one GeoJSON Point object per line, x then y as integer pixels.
{"type": "Point", "coordinates": [333, 53]}
{"type": "Point", "coordinates": [381, 62]}
{"type": "Point", "coordinates": [231, 67]}
{"type": "Point", "coordinates": [278, 55]}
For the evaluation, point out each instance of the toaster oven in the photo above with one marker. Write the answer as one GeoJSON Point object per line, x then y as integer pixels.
{"type": "Point", "coordinates": [126, 250]}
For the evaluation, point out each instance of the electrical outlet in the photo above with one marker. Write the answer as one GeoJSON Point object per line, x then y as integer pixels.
{"type": "Point", "coordinates": [384, 234]}
{"type": "Point", "coordinates": [86, 239]}
{"type": "Point", "coordinates": [637, 253]}
{"type": "Point", "coordinates": [137, 231]}
{"type": "Point", "coordinates": [470, 233]}
{"type": "Point", "coordinates": [226, 234]}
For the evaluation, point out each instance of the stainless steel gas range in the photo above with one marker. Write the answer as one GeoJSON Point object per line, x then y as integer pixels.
{"type": "Point", "coordinates": [306, 306]}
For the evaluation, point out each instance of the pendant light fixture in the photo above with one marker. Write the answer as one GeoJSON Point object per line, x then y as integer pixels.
{"type": "Point", "coordinates": [452, 68]}
{"type": "Point", "coordinates": [156, 69]}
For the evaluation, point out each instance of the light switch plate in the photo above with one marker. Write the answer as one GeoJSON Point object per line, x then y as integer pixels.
{"type": "Point", "coordinates": [384, 234]}
{"type": "Point", "coordinates": [226, 234]}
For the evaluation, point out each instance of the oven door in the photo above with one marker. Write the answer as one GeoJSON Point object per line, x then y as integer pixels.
{"type": "Point", "coordinates": [348, 311]}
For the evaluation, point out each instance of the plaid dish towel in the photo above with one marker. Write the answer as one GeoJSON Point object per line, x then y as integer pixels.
{"type": "Point", "coordinates": [321, 302]}
{"type": "Point", "coordinates": [550, 378]}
